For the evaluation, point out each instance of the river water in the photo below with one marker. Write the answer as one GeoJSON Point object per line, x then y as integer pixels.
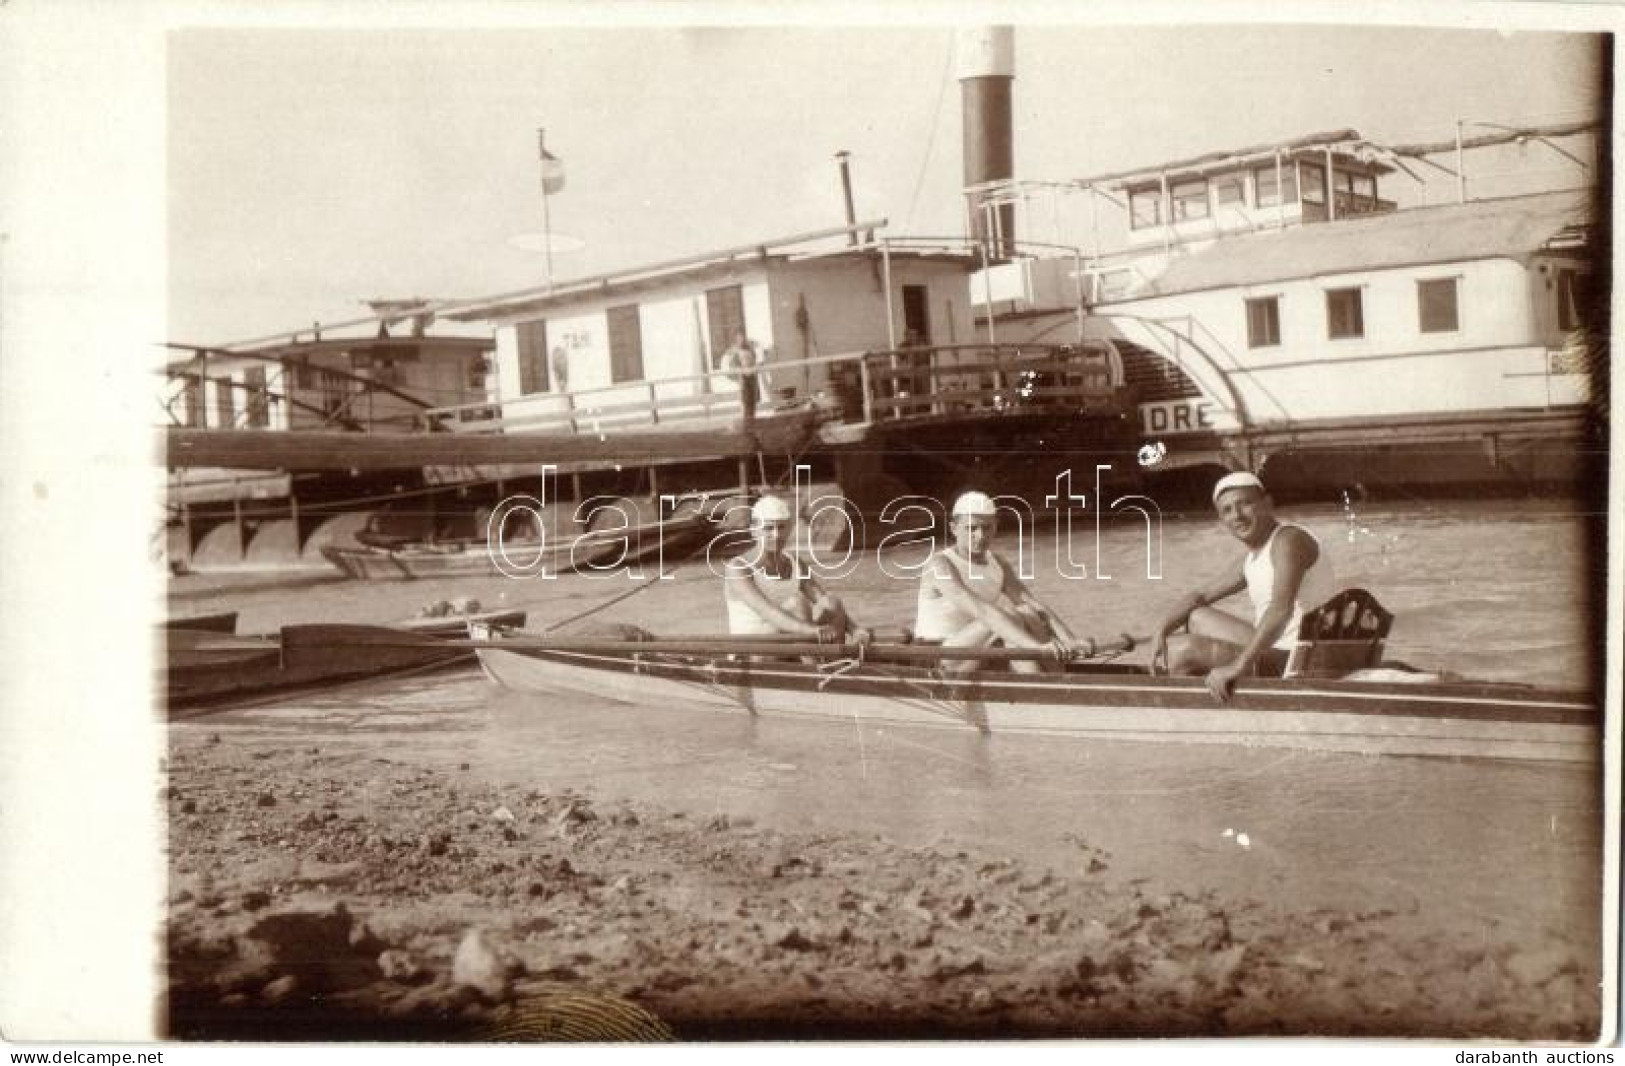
{"type": "Point", "coordinates": [1499, 591]}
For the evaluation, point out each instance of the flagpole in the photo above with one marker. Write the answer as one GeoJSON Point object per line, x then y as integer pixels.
{"type": "Point", "coordinates": [547, 223]}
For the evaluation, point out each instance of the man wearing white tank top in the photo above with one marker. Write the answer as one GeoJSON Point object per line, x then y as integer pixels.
{"type": "Point", "coordinates": [1284, 571]}
{"type": "Point", "coordinates": [971, 598]}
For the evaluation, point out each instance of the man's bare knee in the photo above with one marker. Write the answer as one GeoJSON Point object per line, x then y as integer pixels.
{"type": "Point", "coordinates": [1184, 660]}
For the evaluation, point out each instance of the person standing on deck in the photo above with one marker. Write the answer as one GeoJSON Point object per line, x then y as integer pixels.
{"type": "Point", "coordinates": [741, 363]}
{"type": "Point", "coordinates": [766, 592]}
{"type": "Point", "coordinates": [970, 597]}
{"type": "Point", "coordinates": [1285, 572]}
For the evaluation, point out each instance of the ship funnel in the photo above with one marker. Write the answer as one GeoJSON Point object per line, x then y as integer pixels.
{"type": "Point", "coordinates": [986, 66]}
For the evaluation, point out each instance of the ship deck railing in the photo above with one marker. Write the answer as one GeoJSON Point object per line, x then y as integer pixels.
{"type": "Point", "coordinates": [855, 388]}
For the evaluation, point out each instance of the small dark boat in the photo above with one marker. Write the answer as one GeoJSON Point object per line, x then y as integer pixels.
{"type": "Point", "coordinates": [205, 668]}
{"type": "Point", "coordinates": [223, 622]}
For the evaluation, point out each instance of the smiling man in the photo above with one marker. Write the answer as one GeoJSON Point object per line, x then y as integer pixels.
{"type": "Point", "coordinates": [1285, 572]}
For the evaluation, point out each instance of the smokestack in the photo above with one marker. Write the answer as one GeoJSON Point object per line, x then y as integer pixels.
{"type": "Point", "coordinates": [986, 60]}
{"type": "Point", "coordinates": [841, 157]}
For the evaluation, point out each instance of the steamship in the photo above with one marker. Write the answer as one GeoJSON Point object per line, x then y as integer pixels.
{"type": "Point", "coordinates": [1264, 308]}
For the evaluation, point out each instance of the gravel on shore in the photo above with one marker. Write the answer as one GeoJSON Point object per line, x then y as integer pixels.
{"type": "Point", "coordinates": [338, 894]}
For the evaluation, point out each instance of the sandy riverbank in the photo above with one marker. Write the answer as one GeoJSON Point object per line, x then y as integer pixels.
{"type": "Point", "coordinates": [334, 893]}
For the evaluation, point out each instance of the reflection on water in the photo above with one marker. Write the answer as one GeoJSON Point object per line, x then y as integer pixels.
{"type": "Point", "coordinates": [1458, 842]}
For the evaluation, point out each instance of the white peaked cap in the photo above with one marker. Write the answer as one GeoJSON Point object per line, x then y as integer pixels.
{"type": "Point", "coordinates": [1239, 480]}
{"type": "Point", "coordinates": [770, 509]}
{"type": "Point", "coordinates": [974, 503]}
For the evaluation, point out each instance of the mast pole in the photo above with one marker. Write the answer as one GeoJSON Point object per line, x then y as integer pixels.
{"type": "Point", "coordinates": [547, 222]}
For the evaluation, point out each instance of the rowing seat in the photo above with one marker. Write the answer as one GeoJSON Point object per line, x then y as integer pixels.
{"type": "Point", "coordinates": [1344, 634]}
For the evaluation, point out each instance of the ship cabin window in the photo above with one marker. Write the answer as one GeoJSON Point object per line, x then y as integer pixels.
{"type": "Point", "coordinates": [192, 400]}
{"type": "Point", "coordinates": [725, 317]}
{"type": "Point", "coordinates": [625, 344]}
{"type": "Point", "coordinates": [1356, 193]}
{"type": "Point", "coordinates": [1573, 298]}
{"type": "Point", "coordinates": [225, 402]}
{"type": "Point", "coordinates": [1264, 322]}
{"type": "Point", "coordinates": [1345, 318]}
{"type": "Point", "coordinates": [1312, 180]}
{"type": "Point", "coordinates": [1145, 207]}
{"type": "Point", "coordinates": [387, 370]}
{"type": "Point", "coordinates": [1230, 189]}
{"type": "Point", "coordinates": [1189, 200]}
{"type": "Point", "coordinates": [1270, 190]}
{"type": "Point", "coordinates": [531, 340]}
{"type": "Point", "coordinates": [259, 398]}
{"type": "Point", "coordinates": [1436, 305]}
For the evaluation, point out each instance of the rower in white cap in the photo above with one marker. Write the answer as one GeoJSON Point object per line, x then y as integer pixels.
{"type": "Point", "coordinates": [1285, 572]}
{"type": "Point", "coordinates": [971, 598]}
{"type": "Point", "coordinates": [766, 592]}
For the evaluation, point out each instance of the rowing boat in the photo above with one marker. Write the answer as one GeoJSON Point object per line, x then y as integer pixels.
{"type": "Point", "coordinates": [205, 667]}
{"type": "Point", "coordinates": [604, 549]}
{"type": "Point", "coordinates": [1375, 712]}
{"type": "Point", "coordinates": [221, 622]}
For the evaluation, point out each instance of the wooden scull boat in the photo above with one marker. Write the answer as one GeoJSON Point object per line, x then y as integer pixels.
{"type": "Point", "coordinates": [599, 549]}
{"type": "Point", "coordinates": [203, 667]}
{"type": "Point", "coordinates": [900, 685]}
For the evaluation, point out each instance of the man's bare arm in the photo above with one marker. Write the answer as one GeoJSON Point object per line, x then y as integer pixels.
{"type": "Point", "coordinates": [950, 585]}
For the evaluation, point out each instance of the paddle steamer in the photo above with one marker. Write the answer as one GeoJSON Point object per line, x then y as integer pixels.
{"type": "Point", "coordinates": [1267, 307]}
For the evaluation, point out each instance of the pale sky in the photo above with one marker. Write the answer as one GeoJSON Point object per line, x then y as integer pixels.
{"type": "Point", "coordinates": [309, 169]}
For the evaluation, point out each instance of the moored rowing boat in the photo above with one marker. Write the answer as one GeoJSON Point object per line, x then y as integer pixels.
{"type": "Point", "coordinates": [221, 622]}
{"type": "Point", "coordinates": [205, 667]}
{"type": "Point", "coordinates": [1452, 719]}
{"type": "Point", "coordinates": [593, 550]}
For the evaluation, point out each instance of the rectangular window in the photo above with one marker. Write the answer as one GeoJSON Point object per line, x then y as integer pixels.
{"type": "Point", "coordinates": [259, 398]}
{"type": "Point", "coordinates": [1356, 193]}
{"type": "Point", "coordinates": [192, 393]}
{"type": "Point", "coordinates": [724, 317]}
{"type": "Point", "coordinates": [1264, 322]}
{"type": "Point", "coordinates": [1436, 305]}
{"type": "Point", "coordinates": [1231, 190]}
{"type": "Point", "coordinates": [1312, 181]}
{"type": "Point", "coordinates": [334, 392]}
{"type": "Point", "coordinates": [1189, 200]}
{"type": "Point", "coordinates": [625, 344]}
{"type": "Point", "coordinates": [1269, 192]}
{"type": "Point", "coordinates": [531, 340]}
{"type": "Point", "coordinates": [1573, 298]}
{"type": "Point", "coordinates": [1144, 208]}
{"type": "Point", "coordinates": [916, 315]}
{"type": "Point", "coordinates": [1344, 317]}
{"type": "Point", "coordinates": [225, 403]}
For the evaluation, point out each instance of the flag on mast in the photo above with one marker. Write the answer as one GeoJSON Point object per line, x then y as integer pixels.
{"type": "Point", "coordinates": [552, 168]}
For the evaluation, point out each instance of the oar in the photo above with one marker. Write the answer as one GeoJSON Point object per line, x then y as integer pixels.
{"type": "Point", "coordinates": [612, 601]}
{"type": "Point", "coordinates": [788, 645]}
{"type": "Point", "coordinates": [633, 591]}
